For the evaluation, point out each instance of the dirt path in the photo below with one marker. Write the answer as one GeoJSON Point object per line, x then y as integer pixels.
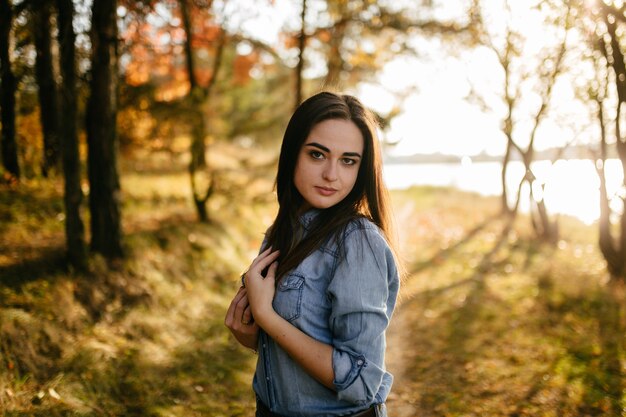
{"type": "Point", "coordinates": [430, 342]}
{"type": "Point", "coordinates": [402, 402]}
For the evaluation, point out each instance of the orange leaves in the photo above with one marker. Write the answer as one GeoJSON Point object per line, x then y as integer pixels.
{"type": "Point", "coordinates": [289, 40]}
{"type": "Point", "coordinates": [242, 66]}
{"type": "Point", "coordinates": [156, 50]}
{"type": "Point", "coordinates": [137, 73]}
{"type": "Point", "coordinates": [205, 31]}
{"type": "Point", "coordinates": [203, 75]}
{"type": "Point", "coordinates": [324, 35]}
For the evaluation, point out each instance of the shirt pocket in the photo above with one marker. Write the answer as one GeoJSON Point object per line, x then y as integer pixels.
{"type": "Point", "coordinates": [288, 299]}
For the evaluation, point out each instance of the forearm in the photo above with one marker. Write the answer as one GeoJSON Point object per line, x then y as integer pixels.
{"type": "Point", "coordinates": [315, 357]}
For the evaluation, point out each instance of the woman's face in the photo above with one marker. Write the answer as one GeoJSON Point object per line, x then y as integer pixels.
{"type": "Point", "coordinates": [328, 163]}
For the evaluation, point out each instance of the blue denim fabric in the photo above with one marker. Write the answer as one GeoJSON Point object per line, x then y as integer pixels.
{"type": "Point", "coordinates": [345, 300]}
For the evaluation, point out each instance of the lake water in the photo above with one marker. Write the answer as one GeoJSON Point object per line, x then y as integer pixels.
{"type": "Point", "coordinates": [572, 186]}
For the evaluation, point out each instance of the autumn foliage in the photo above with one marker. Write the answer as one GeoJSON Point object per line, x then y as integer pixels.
{"type": "Point", "coordinates": [155, 54]}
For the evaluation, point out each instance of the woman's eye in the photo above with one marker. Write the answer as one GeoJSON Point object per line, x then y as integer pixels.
{"type": "Point", "coordinates": [316, 155]}
{"type": "Point", "coordinates": [349, 161]}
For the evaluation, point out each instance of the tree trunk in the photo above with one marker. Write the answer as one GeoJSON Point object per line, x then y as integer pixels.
{"type": "Point", "coordinates": [102, 133]}
{"type": "Point", "coordinates": [335, 60]}
{"type": "Point", "coordinates": [73, 195]}
{"type": "Point", "coordinates": [184, 11]}
{"type": "Point", "coordinates": [197, 101]}
{"type": "Point", "coordinates": [48, 98]}
{"type": "Point", "coordinates": [610, 246]}
{"type": "Point", "coordinates": [621, 147]}
{"type": "Point", "coordinates": [548, 231]}
{"type": "Point", "coordinates": [507, 127]}
{"type": "Point", "coordinates": [619, 67]}
{"type": "Point", "coordinates": [301, 46]}
{"type": "Point", "coordinates": [504, 198]}
{"type": "Point", "coordinates": [606, 240]}
{"type": "Point", "coordinates": [195, 97]}
{"type": "Point", "coordinates": [7, 94]}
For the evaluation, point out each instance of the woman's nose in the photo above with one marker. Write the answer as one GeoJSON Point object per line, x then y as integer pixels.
{"type": "Point", "coordinates": [330, 171]}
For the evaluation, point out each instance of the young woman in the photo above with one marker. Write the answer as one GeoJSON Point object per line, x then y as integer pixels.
{"type": "Point", "coordinates": [317, 300]}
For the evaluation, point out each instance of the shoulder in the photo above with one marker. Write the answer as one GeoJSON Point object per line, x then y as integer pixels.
{"type": "Point", "coordinates": [365, 255]}
{"type": "Point", "coordinates": [362, 227]}
{"type": "Point", "coordinates": [362, 232]}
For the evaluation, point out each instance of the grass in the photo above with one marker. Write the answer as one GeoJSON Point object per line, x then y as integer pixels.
{"type": "Point", "coordinates": [146, 338]}
{"type": "Point", "coordinates": [516, 329]}
{"type": "Point", "coordinates": [487, 325]}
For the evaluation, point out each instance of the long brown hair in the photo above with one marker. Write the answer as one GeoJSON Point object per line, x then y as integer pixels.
{"type": "Point", "coordinates": [368, 198]}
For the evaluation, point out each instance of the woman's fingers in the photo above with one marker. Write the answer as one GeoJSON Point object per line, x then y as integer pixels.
{"type": "Point", "coordinates": [260, 256]}
{"type": "Point", "coordinates": [265, 261]}
{"type": "Point", "coordinates": [241, 306]}
{"type": "Point", "coordinates": [271, 272]}
{"type": "Point", "coordinates": [246, 317]}
{"type": "Point", "coordinates": [230, 313]}
{"type": "Point", "coordinates": [240, 322]}
{"type": "Point", "coordinates": [254, 294]}
{"type": "Point", "coordinates": [259, 264]}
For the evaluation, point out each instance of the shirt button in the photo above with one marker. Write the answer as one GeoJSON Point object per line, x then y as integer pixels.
{"type": "Point", "coordinates": [359, 362]}
{"type": "Point", "coordinates": [267, 378]}
{"type": "Point", "coordinates": [264, 346]}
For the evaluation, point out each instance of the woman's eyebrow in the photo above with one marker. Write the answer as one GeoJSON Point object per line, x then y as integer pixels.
{"type": "Point", "coordinates": [317, 145]}
{"type": "Point", "coordinates": [325, 149]}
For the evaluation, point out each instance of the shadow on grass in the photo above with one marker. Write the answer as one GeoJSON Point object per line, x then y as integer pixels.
{"type": "Point", "coordinates": [444, 253]}
{"type": "Point", "coordinates": [46, 263]}
{"type": "Point", "coordinates": [456, 329]}
{"type": "Point", "coordinates": [486, 263]}
{"type": "Point", "coordinates": [30, 209]}
{"type": "Point", "coordinates": [473, 344]}
{"type": "Point", "coordinates": [590, 330]}
{"type": "Point", "coordinates": [474, 348]}
{"type": "Point", "coordinates": [207, 376]}
{"type": "Point", "coordinates": [34, 200]}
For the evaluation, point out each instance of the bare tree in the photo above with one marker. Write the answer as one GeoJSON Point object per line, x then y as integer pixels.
{"type": "Point", "coordinates": [509, 55]}
{"type": "Point", "coordinates": [355, 37]}
{"type": "Point", "coordinates": [196, 101]}
{"type": "Point", "coordinates": [605, 26]}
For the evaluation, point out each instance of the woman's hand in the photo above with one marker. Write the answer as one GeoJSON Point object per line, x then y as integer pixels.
{"type": "Point", "coordinates": [261, 289]}
{"type": "Point", "coordinates": [239, 320]}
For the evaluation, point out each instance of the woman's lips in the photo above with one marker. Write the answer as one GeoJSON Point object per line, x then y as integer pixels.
{"type": "Point", "coordinates": [326, 191]}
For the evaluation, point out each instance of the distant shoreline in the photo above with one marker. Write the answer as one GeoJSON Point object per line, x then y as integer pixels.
{"type": "Point", "coordinates": [571, 153]}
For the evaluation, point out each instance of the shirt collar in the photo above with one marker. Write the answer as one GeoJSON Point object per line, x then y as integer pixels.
{"type": "Point", "coordinates": [308, 217]}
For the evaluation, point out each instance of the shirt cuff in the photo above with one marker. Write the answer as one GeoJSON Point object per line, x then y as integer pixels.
{"type": "Point", "coordinates": [349, 368]}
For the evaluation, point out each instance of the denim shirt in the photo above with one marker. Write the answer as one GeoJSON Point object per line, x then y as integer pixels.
{"type": "Point", "coordinates": [346, 302]}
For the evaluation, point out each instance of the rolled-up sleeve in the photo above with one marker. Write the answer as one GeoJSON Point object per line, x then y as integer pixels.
{"type": "Point", "coordinates": [362, 292]}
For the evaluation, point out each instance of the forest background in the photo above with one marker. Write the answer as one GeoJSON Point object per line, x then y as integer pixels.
{"type": "Point", "coordinates": [139, 141]}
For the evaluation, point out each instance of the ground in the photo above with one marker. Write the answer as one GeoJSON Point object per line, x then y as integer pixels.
{"type": "Point", "coordinates": [487, 324]}
{"type": "Point", "coordinates": [487, 327]}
